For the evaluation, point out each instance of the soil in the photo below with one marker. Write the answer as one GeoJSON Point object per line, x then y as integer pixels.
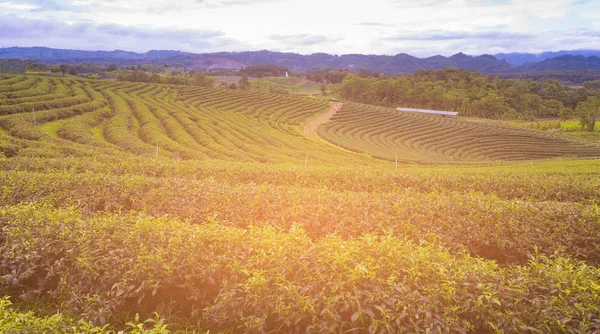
{"type": "Point", "coordinates": [310, 129]}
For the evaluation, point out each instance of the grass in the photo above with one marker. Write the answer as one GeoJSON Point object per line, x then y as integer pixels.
{"type": "Point", "coordinates": [570, 128]}
{"type": "Point", "coordinates": [278, 84]}
{"type": "Point", "coordinates": [51, 128]}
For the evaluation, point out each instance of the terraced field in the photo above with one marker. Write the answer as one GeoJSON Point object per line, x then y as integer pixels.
{"type": "Point", "coordinates": [97, 235]}
{"type": "Point", "coordinates": [384, 132]}
{"type": "Point", "coordinates": [173, 121]}
{"type": "Point", "coordinates": [205, 123]}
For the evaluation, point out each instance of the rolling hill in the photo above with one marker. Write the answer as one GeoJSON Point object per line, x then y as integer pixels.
{"type": "Point", "coordinates": [149, 208]}
{"type": "Point", "coordinates": [211, 123]}
{"type": "Point", "coordinates": [386, 133]}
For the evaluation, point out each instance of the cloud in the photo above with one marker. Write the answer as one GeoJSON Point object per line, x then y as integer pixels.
{"type": "Point", "coordinates": [303, 39]}
{"type": "Point", "coordinates": [54, 6]}
{"type": "Point", "coordinates": [421, 27]}
{"type": "Point", "coordinates": [91, 36]}
{"type": "Point", "coordinates": [229, 3]}
{"type": "Point", "coordinates": [375, 24]}
{"type": "Point", "coordinates": [456, 35]}
{"type": "Point", "coordinates": [487, 42]}
{"type": "Point", "coordinates": [421, 3]}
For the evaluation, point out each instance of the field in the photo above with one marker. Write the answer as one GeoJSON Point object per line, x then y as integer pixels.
{"type": "Point", "coordinates": [241, 223]}
{"type": "Point", "coordinates": [386, 133]}
{"type": "Point", "coordinates": [293, 85]}
{"type": "Point", "coordinates": [570, 128]}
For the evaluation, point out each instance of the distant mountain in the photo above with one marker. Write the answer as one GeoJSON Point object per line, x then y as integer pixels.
{"type": "Point", "coordinates": [43, 53]}
{"type": "Point", "coordinates": [398, 64]}
{"type": "Point", "coordinates": [562, 63]}
{"type": "Point", "coordinates": [48, 55]}
{"type": "Point", "coordinates": [516, 58]}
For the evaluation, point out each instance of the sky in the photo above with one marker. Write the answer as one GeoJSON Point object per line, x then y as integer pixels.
{"type": "Point", "coordinates": [417, 27]}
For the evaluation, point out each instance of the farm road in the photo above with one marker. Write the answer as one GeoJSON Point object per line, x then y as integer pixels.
{"type": "Point", "coordinates": [310, 129]}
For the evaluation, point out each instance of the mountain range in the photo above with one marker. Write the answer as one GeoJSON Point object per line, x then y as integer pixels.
{"type": "Point", "coordinates": [396, 64]}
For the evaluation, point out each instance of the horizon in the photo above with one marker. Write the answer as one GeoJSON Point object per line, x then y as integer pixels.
{"type": "Point", "coordinates": [300, 53]}
{"type": "Point", "coordinates": [382, 27]}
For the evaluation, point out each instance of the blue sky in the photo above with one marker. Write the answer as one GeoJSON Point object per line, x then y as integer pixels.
{"type": "Point", "coordinates": [417, 27]}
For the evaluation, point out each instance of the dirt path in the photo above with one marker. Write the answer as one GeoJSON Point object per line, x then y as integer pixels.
{"type": "Point", "coordinates": [310, 129]}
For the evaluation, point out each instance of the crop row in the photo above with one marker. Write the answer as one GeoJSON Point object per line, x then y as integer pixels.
{"type": "Point", "coordinates": [507, 230]}
{"type": "Point", "coordinates": [260, 279]}
{"type": "Point", "coordinates": [386, 133]}
{"type": "Point", "coordinates": [184, 122]}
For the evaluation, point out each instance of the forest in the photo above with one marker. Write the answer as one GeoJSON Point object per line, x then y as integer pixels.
{"type": "Point", "coordinates": [468, 92]}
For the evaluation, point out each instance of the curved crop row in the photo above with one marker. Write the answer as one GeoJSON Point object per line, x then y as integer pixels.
{"type": "Point", "coordinates": [387, 133]}
{"type": "Point", "coordinates": [172, 121]}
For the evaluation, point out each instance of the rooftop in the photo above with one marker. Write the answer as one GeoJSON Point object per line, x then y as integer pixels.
{"type": "Point", "coordinates": [427, 111]}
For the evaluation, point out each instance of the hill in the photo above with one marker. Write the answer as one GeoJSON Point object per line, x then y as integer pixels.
{"type": "Point", "coordinates": [517, 58]}
{"type": "Point", "coordinates": [562, 63]}
{"type": "Point", "coordinates": [199, 123]}
{"type": "Point", "coordinates": [398, 64]}
{"type": "Point", "coordinates": [569, 78]}
{"type": "Point", "coordinates": [151, 208]}
{"type": "Point", "coordinates": [389, 134]}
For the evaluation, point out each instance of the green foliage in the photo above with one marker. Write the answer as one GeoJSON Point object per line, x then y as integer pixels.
{"type": "Point", "coordinates": [566, 77]}
{"type": "Point", "coordinates": [12, 66]}
{"type": "Point", "coordinates": [469, 93]}
{"type": "Point", "coordinates": [244, 83]}
{"type": "Point", "coordinates": [389, 134]}
{"type": "Point", "coordinates": [327, 76]}
{"type": "Point", "coordinates": [589, 112]}
{"type": "Point", "coordinates": [13, 321]}
{"type": "Point", "coordinates": [202, 80]}
{"type": "Point", "coordinates": [264, 70]}
{"type": "Point", "coordinates": [243, 224]}
{"type": "Point", "coordinates": [231, 278]}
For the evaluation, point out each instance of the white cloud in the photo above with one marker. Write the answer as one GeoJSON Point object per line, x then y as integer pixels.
{"type": "Point", "coordinates": [419, 27]}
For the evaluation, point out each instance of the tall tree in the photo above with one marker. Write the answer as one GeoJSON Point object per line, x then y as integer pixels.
{"type": "Point", "coordinates": [589, 112]}
{"type": "Point", "coordinates": [202, 80]}
{"type": "Point", "coordinates": [244, 83]}
{"type": "Point", "coordinates": [323, 89]}
{"type": "Point", "coordinates": [64, 68]}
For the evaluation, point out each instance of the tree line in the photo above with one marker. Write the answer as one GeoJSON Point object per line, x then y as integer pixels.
{"type": "Point", "coordinates": [468, 92]}
{"type": "Point", "coordinates": [197, 79]}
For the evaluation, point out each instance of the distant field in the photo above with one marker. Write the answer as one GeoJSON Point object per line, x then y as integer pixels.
{"type": "Point", "coordinates": [385, 133]}
{"type": "Point", "coordinates": [570, 128]}
{"type": "Point", "coordinates": [266, 84]}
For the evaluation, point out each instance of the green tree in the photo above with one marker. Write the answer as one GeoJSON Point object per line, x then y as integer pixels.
{"type": "Point", "coordinates": [323, 89]}
{"type": "Point", "coordinates": [54, 69]}
{"type": "Point", "coordinates": [565, 114]}
{"type": "Point", "coordinates": [64, 68]}
{"type": "Point", "coordinates": [244, 83]}
{"type": "Point", "coordinates": [202, 80]}
{"type": "Point", "coordinates": [154, 78]}
{"type": "Point", "coordinates": [588, 112]}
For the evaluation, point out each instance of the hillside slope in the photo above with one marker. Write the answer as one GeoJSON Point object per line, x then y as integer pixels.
{"type": "Point", "coordinates": [74, 116]}
{"type": "Point", "coordinates": [386, 133]}
{"type": "Point", "coordinates": [161, 120]}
